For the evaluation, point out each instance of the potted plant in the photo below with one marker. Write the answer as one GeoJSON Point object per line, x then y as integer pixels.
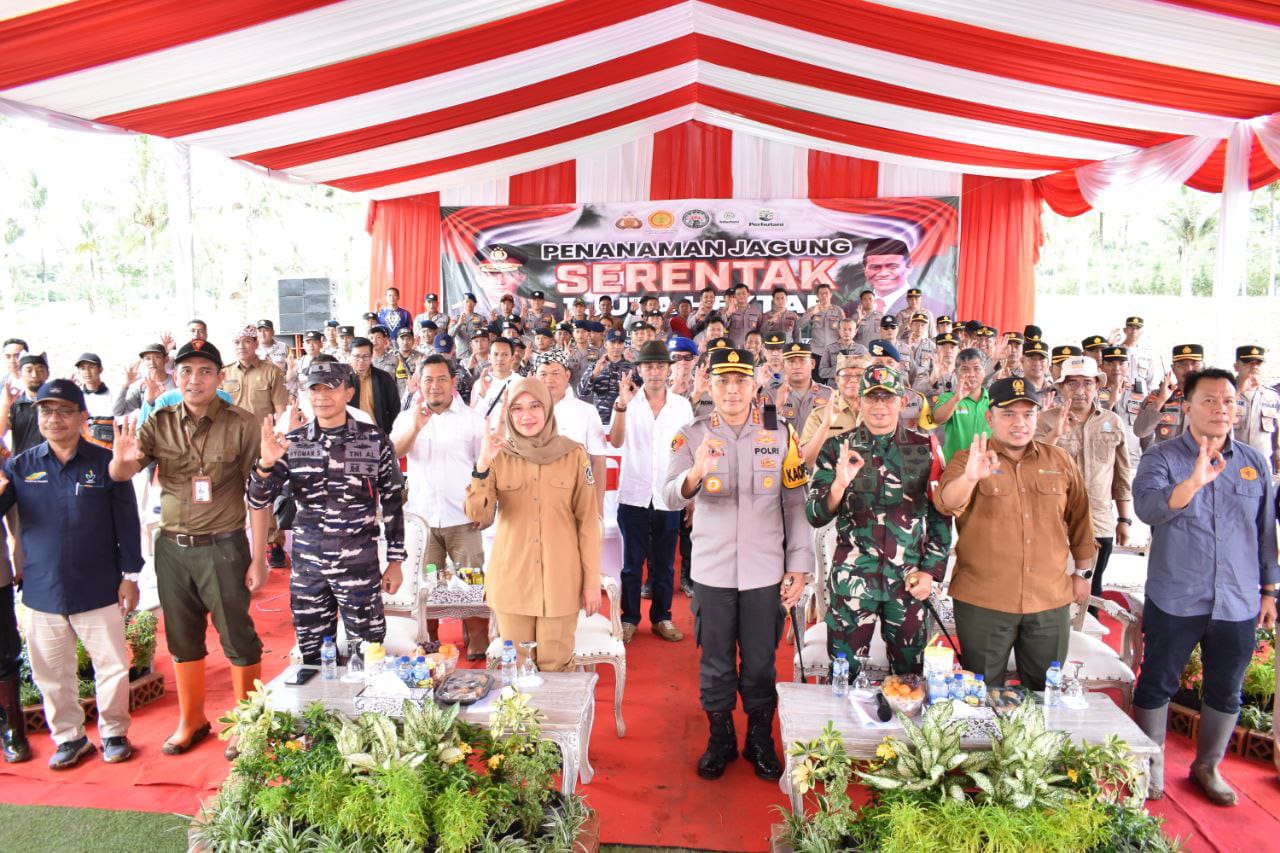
{"type": "Point", "coordinates": [140, 636]}
{"type": "Point", "coordinates": [426, 781]}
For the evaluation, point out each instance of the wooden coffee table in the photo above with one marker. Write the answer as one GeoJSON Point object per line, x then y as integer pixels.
{"type": "Point", "coordinates": [566, 699]}
{"type": "Point", "coordinates": [803, 710]}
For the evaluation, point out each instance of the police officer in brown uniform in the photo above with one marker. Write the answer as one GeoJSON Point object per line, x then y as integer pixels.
{"type": "Point", "coordinates": [1162, 417]}
{"type": "Point", "coordinates": [1257, 406]}
{"type": "Point", "coordinates": [751, 551]}
{"type": "Point", "coordinates": [203, 449]}
{"type": "Point", "coordinates": [1121, 397]}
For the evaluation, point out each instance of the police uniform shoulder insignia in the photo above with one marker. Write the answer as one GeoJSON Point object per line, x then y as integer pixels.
{"type": "Point", "coordinates": [678, 442]}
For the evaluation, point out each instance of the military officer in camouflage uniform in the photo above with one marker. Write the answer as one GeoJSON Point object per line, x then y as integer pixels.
{"type": "Point", "coordinates": [796, 395]}
{"type": "Point", "coordinates": [752, 549]}
{"type": "Point", "coordinates": [1162, 417]}
{"type": "Point", "coordinates": [1257, 407]}
{"type": "Point", "coordinates": [915, 412]}
{"type": "Point", "coordinates": [892, 543]}
{"type": "Point", "coordinates": [340, 472]}
{"type": "Point", "coordinates": [599, 386]}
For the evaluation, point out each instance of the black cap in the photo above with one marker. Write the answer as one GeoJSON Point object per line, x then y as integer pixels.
{"type": "Point", "coordinates": [578, 300]}
{"type": "Point", "coordinates": [720, 343]}
{"type": "Point", "coordinates": [565, 327]}
{"type": "Point", "coordinates": [616, 335]}
{"type": "Point", "coordinates": [729, 360]}
{"type": "Point", "coordinates": [913, 291]}
{"type": "Point", "coordinates": [346, 331]}
{"type": "Point", "coordinates": [1250, 353]}
{"type": "Point", "coordinates": [88, 358]}
{"type": "Point", "coordinates": [329, 373]}
{"type": "Point", "coordinates": [331, 324]}
{"type": "Point", "coordinates": [888, 321]}
{"type": "Point", "coordinates": [368, 315]}
{"type": "Point", "coordinates": [405, 332]}
{"type": "Point", "coordinates": [1115, 354]}
{"type": "Point", "coordinates": [1006, 392]}
{"type": "Point", "coordinates": [1032, 333]}
{"type": "Point", "coordinates": [1093, 342]}
{"type": "Point", "coordinates": [946, 338]}
{"type": "Point", "coordinates": [775, 341]}
{"type": "Point", "coordinates": [537, 294]}
{"type": "Point", "coordinates": [944, 318]}
{"type": "Point", "coordinates": [987, 332]}
{"type": "Point", "coordinates": [199, 349]}
{"type": "Point", "coordinates": [33, 358]}
{"type": "Point", "coordinates": [266, 324]}
{"type": "Point", "coordinates": [1013, 338]}
{"type": "Point", "coordinates": [426, 323]}
{"type": "Point", "coordinates": [1135, 321]}
{"type": "Point", "coordinates": [795, 349]}
{"type": "Point", "coordinates": [1188, 352]}
{"type": "Point", "coordinates": [500, 257]}
{"type": "Point", "coordinates": [469, 295]}
{"type": "Point", "coordinates": [61, 389]}
{"type": "Point", "coordinates": [544, 331]}
{"type": "Point", "coordinates": [1036, 347]}
{"type": "Point", "coordinates": [378, 327]}
{"type": "Point", "coordinates": [973, 326]}
{"type": "Point", "coordinates": [1065, 352]}
{"type": "Point", "coordinates": [430, 297]}
{"type": "Point", "coordinates": [312, 336]}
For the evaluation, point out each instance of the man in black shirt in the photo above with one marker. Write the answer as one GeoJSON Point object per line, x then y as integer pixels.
{"type": "Point", "coordinates": [17, 410]}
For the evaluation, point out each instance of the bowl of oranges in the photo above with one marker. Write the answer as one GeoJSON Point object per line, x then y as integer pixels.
{"type": "Point", "coordinates": [904, 693]}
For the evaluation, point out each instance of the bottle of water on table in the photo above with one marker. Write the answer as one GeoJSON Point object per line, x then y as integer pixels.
{"type": "Point", "coordinates": [508, 662]}
{"type": "Point", "coordinates": [840, 676]}
{"type": "Point", "coordinates": [980, 689]}
{"type": "Point", "coordinates": [329, 659]}
{"type": "Point", "coordinates": [1053, 685]}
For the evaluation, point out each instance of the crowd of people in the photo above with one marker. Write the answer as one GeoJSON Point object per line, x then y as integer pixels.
{"type": "Point", "coordinates": [742, 429]}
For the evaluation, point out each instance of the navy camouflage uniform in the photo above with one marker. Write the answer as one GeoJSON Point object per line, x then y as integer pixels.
{"type": "Point", "coordinates": [601, 390]}
{"type": "Point", "coordinates": [338, 477]}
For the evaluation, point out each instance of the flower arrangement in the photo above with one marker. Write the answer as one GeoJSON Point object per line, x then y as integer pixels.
{"type": "Point", "coordinates": [1032, 790]}
{"type": "Point", "coordinates": [427, 781]}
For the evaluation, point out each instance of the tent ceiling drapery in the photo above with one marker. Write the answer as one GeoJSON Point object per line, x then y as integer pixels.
{"type": "Point", "coordinates": [400, 97]}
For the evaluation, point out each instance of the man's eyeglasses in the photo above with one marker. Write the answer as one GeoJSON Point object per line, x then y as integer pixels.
{"type": "Point", "coordinates": [684, 356]}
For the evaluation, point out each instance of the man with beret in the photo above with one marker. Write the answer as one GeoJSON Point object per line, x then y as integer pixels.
{"type": "Point", "coordinates": [600, 386]}
{"type": "Point", "coordinates": [343, 475]}
{"type": "Point", "coordinates": [203, 449]}
{"type": "Point", "coordinates": [891, 543]}
{"type": "Point", "coordinates": [82, 556]}
{"type": "Point", "coordinates": [1142, 371]}
{"type": "Point", "coordinates": [1021, 512]}
{"type": "Point", "coordinates": [643, 428]}
{"type": "Point", "coordinates": [464, 326]}
{"type": "Point", "coordinates": [1257, 407]}
{"type": "Point", "coordinates": [752, 550]}
{"type": "Point", "coordinates": [270, 349]}
{"type": "Point", "coordinates": [1163, 415]}
{"type": "Point", "coordinates": [431, 311]}
{"type": "Point", "coordinates": [907, 315]}
{"type": "Point", "coordinates": [797, 394]}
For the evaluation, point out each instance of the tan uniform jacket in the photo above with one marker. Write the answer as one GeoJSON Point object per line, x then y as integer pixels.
{"type": "Point", "coordinates": [547, 547]}
{"type": "Point", "coordinates": [1099, 446]}
{"type": "Point", "coordinates": [259, 390]}
{"type": "Point", "coordinates": [1258, 423]}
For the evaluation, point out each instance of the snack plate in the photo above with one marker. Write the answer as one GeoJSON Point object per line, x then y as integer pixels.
{"type": "Point", "coordinates": [465, 686]}
{"type": "Point", "coordinates": [382, 703]}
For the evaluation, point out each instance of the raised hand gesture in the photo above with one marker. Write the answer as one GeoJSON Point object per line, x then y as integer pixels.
{"type": "Point", "coordinates": [982, 462]}
{"type": "Point", "coordinates": [493, 443]}
{"type": "Point", "coordinates": [626, 391]}
{"type": "Point", "coordinates": [1065, 424]}
{"type": "Point", "coordinates": [701, 381]}
{"type": "Point", "coordinates": [706, 455]}
{"type": "Point", "coordinates": [422, 414]}
{"type": "Point", "coordinates": [124, 441]}
{"type": "Point", "coordinates": [153, 388]}
{"type": "Point", "coordinates": [166, 340]}
{"type": "Point", "coordinates": [1167, 388]}
{"type": "Point", "coordinates": [274, 445]}
{"type": "Point", "coordinates": [131, 373]}
{"type": "Point", "coordinates": [296, 418]}
{"type": "Point", "coordinates": [846, 467]}
{"type": "Point", "coordinates": [10, 396]}
{"type": "Point", "coordinates": [1209, 464]}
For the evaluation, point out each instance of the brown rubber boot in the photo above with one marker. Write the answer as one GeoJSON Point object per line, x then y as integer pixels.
{"type": "Point", "coordinates": [14, 733]}
{"type": "Point", "coordinates": [193, 726]}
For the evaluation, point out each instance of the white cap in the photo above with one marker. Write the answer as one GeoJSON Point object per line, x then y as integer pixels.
{"type": "Point", "coordinates": [1079, 365]}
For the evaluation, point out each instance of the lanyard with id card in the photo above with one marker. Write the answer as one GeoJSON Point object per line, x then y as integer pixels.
{"type": "Point", "coordinates": [201, 484]}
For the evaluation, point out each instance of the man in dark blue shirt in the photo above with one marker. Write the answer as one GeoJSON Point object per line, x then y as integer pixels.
{"type": "Point", "coordinates": [1212, 574]}
{"type": "Point", "coordinates": [83, 552]}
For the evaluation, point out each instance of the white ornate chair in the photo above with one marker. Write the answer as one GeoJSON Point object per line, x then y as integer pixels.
{"type": "Point", "coordinates": [598, 640]}
{"type": "Point", "coordinates": [405, 599]}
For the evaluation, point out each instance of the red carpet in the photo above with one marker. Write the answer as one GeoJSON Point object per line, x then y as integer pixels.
{"type": "Point", "coordinates": [645, 786]}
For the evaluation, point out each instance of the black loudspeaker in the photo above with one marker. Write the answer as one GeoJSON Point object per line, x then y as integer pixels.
{"type": "Point", "coordinates": [305, 304]}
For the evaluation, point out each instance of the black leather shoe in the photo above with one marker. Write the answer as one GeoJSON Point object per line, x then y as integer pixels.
{"type": "Point", "coordinates": [759, 748]}
{"type": "Point", "coordinates": [276, 558]}
{"type": "Point", "coordinates": [15, 751]}
{"type": "Point", "coordinates": [686, 587]}
{"type": "Point", "coordinates": [646, 590]}
{"type": "Point", "coordinates": [13, 732]}
{"type": "Point", "coordinates": [722, 745]}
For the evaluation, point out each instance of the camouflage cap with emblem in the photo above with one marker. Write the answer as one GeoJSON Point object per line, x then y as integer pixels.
{"type": "Point", "coordinates": [1188, 352]}
{"type": "Point", "coordinates": [1093, 342]}
{"type": "Point", "coordinates": [775, 341]}
{"type": "Point", "coordinates": [1250, 354]}
{"type": "Point", "coordinates": [727, 360]}
{"type": "Point", "coordinates": [881, 378]}
{"type": "Point", "coordinates": [1062, 353]}
{"type": "Point", "coordinates": [796, 349]}
{"type": "Point", "coordinates": [1115, 354]}
{"type": "Point", "coordinates": [1015, 389]}
{"type": "Point", "coordinates": [330, 374]}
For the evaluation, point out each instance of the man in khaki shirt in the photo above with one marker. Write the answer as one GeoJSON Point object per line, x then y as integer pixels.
{"type": "Point", "coordinates": [840, 414]}
{"type": "Point", "coordinates": [1095, 438]}
{"type": "Point", "coordinates": [1022, 515]}
{"type": "Point", "coordinates": [255, 385]}
{"type": "Point", "coordinates": [203, 450]}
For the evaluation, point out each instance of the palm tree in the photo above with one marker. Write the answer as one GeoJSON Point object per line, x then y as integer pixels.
{"type": "Point", "coordinates": [1190, 224]}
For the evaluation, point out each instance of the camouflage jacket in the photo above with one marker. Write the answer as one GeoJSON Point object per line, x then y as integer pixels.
{"type": "Point", "coordinates": [886, 515]}
{"type": "Point", "coordinates": [338, 478]}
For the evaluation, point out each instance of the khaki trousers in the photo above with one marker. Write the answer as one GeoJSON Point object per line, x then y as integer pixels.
{"type": "Point", "coordinates": [51, 643]}
{"type": "Point", "coordinates": [553, 634]}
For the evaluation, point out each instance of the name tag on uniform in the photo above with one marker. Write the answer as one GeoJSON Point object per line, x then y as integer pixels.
{"type": "Point", "coordinates": [201, 490]}
{"type": "Point", "coordinates": [306, 450]}
{"type": "Point", "coordinates": [1106, 426]}
{"type": "Point", "coordinates": [361, 458]}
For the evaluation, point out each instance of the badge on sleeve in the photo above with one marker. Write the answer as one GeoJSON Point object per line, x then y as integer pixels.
{"type": "Point", "coordinates": [677, 442]}
{"type": "Point", "coordinates": [1248, 473]}
{"type": "Point", "coordinates": [591, 478]}
{"type": "Point", "coordinates": [794, 473]}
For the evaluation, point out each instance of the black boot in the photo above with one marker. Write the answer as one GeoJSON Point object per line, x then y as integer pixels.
{"type": "Point", "coordinates": [15, 724]}
{"type": "Point", "coordinates": [759, 748]}
{"type": "Point", "coordinates": [722, 746]}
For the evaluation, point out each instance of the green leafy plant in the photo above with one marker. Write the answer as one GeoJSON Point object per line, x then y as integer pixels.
{"type": "Point", "coordinates": [1020, 772]}
{"type": "Point", "coordinates": [928, 760]}
{"type": "Point", "coordinates": [914, 826]}
{"type": "Point", "coordinates": [821, 771]}
{"type": "Point", "coordinates": [1106, 771]}
{"type": "Point", "coordinates": [1255, 718]}
{"type": "Point", "coordinates": [140, 636]}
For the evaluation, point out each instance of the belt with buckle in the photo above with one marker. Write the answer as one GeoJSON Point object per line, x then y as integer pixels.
{"type": "Point", "coordinates": [187, 540]}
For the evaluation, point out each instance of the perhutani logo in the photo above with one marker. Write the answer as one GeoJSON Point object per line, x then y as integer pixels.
{"type": "Point", "coordinates": [766, 218]}
{"type": "Point", "coordinates": [729, 217]}
{"type": "Point", "coordinates": [661, 219]}
{"type": "Point", "coordinates": [765, 215]}
{"type": "Point", "coordinates": [696, 218]}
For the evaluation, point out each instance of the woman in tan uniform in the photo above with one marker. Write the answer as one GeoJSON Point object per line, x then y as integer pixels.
{"type": "Point", "coordinates": [546, 555]}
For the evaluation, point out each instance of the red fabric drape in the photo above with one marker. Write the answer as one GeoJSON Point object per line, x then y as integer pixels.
{"type": "Point", "coordinates": [838, 176]}
{"type": "Point", "coordinates": [554, 184]}
{"type": "Point", "coordinates": [1000, 239]}
{"type": "Point", "coordinates": [692, 160]}
{"type": "Point", "coordinates": [1061, 191]}
{"type": "Point", "coordinates": [406, 249]}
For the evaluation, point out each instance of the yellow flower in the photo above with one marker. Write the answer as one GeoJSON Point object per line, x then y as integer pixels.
{"type": "Point", "coordinates": [885, 750]}
{"type": "Point", "coordinates": [465, 747]}
{"type": "Point", "coordinates": [294, 745]}
{"type": "Point", "coordinates": [1072, 774]}
{"type": "Point", "coordinates": [495, 761]}
{"type": "Point", "coordinates": [802, 777]}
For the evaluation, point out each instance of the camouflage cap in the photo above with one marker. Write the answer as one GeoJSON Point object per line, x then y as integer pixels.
{"type": "Point", "coordinates": [881, 378]}
{"type": "Point", "coordinates": [328, 373]}
{"type": "Point", "coordinates": [854, 362]}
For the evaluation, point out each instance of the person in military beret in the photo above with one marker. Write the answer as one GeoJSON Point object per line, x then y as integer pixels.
{"type": "Point", "coordinates": [1163, 416]}
{"type": "Point", "coordinates": [344, 477]}
{"type": "Point", "coordinates": [733, 466]}
{"type": "Point", "coordinates": [891, 542]}
{"type": "Point", "coordinates": [1257, 407]}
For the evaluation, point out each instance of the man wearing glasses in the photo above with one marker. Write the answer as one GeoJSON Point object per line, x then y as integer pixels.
{"type": "Point", "coordinates": [376, 392]}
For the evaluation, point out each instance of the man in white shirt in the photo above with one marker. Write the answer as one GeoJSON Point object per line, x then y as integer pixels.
{"type": "Point", "coordinates": [644, 426]}
{"type": "Point", "coordinates": [575, 419]}
{"type": "Point", "coordinates": [494, 379]}
{"type": "Point", "coordinates": [442, 436]}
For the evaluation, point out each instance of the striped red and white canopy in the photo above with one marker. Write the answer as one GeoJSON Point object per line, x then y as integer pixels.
{"type": "Point", "coordinates": [402, 97]}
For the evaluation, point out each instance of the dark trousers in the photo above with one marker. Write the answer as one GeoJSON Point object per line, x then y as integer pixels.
{"type": "Point", "coordinates": [647, 534]}
{"type": "Point", "coordinates": [686, 550]}
{"type": "Point", "coordinates": [1168, 640]}
{"type": "Point", "coordinates": [1105, 544]}
{"type": "Point", "coordinates": [318, 592]}
{"type": "Point", "coordinates": [730, 624]}
{"type": "Point", "coordinates": [1036, 640]}
{"type": "Point", "coordinates": [10, 642]}
{"type": "Point", "coordinates": [201, 583]}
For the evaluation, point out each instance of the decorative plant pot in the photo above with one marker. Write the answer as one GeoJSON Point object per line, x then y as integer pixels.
{"type": "Point", "coordinates": [142, 691]}
{"type": "Point", "coordinates": [1260, 746]}
{"type": "Point", "coordinates": [1250, 744]}
{"type": "Point", "coordinates": [1184, 721]}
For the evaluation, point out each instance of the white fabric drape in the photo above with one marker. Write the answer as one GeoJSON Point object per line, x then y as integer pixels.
{"type": "Point", "coordinates": [1145, 170]}
{"type": "Point", "coordinates": [763, 168]}
{"type": "Point", "coordinates": [1267, 131]}
{"type": "Point", "coordinates": [1233, 218]}
{"type": "Point", "coordinates": [178, 189]}
{"type": "Point", "coordinates": [899, 181]}
{"type": "Point", "coordinates": [620, 173]}
{"type": "Point", "coordinates": [491, 192]}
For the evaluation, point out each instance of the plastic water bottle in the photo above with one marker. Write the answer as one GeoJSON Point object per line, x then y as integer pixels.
{"type": "Point", "coordinates": [1053, 685]}
{"type": "Point", "coordinates": [433, 577]}
{"type": "Point", "coordinates": [956, 689]}
{"type": "Point", "coordinates": [840, 676]}
{"type": "Point", "coordinates": [421, 672]}
{"type": "Point", "coordinates": [937, 684]}
{"type": "Point", "coordinates": [508, 662]}
{"type": "Point", "coordinates": [329, 659]}
{"type": "Point", "coordinates": [404, 669]}
{"type": "Point", "coordinates": [980, 688]}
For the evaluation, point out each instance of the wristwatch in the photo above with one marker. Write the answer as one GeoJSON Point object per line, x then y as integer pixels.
{"type": "Point", "coordinates": [1087, 574]}
{"type": "Point", "coordinates": [1122, 520]}
{"type": "Point", "coordinates": [264, 471]}
{"type": "Point", "coordinates": [132, 577]}
{"type": "Point", "coordinates": [1270, 593]}
{"type": "Point", "coordinates": [477, 475]}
